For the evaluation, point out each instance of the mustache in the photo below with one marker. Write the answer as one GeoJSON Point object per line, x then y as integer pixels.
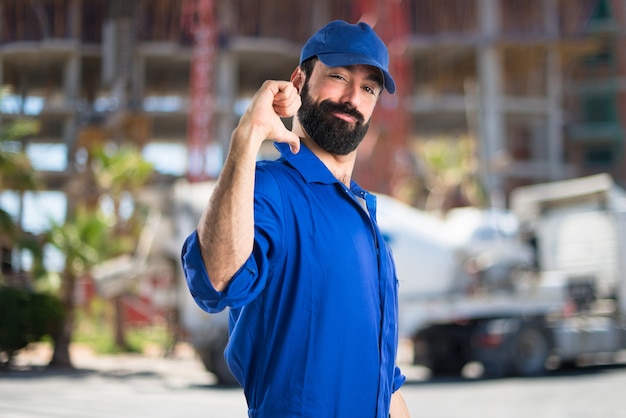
{"type": "Point", "coordinates": [331, 107]}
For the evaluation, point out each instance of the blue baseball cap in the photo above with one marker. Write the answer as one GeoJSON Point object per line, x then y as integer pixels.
{"type": "Point", "coordinates": [340, 44]}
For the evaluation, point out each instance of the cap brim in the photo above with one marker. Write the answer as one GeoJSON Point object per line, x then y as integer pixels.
{"type": "Point", "coordinates": [345, 59]}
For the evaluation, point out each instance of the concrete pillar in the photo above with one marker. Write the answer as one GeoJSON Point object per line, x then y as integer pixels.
{"type": "Point", "coordinates": [74, 19]}
{"type": "Point", "coordinates": [492, 135]}
{"type": "Point", "coordinates": [226, 88]}
{"type": "Point", "coordinates": [137, 81]}
{"type": "Point", "coordinates": [70, 131]}
{"type": "Point", "coordinates": [555, 115]}
{"type": "Point", "coordinates": [554, 94]}
{"type": "Point", "coordinates": [71, 93]}
{"type": "Point", "coordinates": [71, 79]}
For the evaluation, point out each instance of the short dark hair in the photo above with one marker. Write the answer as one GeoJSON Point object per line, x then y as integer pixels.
{"type": "Point", "coordinates": [308, 65]}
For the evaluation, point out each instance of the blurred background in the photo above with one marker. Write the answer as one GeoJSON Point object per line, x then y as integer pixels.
{"type": "Point", "coordinates": [116, 115]}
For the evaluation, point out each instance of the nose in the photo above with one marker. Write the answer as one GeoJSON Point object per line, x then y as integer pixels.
{"type": "Point", "coordinates": [351, 95]}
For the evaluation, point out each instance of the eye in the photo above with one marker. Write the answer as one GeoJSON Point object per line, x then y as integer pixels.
{"type": "Point", "coordinates": [338, 76]}
{"type": "Point", "coordinates": [369, 90]}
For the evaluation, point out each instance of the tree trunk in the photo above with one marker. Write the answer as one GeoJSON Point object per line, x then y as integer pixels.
{"type": "Point", "coordinates": [120, 324]}
{"type": "Point", "coordinates": [61, 354]}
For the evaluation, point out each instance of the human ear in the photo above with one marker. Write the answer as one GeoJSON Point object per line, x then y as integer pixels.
{"type": "Point", "coordinates": [297, 78]}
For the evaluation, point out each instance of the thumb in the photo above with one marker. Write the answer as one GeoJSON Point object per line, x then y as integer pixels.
{"type": "Point", "coordinates": [288, 137]}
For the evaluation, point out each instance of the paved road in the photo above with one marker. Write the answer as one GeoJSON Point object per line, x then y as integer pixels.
{"type": "Point", "coordinates": [144, 386]}
{"type": "Point", "coordinates": [593, 392]}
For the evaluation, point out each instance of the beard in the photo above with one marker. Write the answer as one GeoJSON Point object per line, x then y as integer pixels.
{"type": "Point", "coordinates": [329, 132]}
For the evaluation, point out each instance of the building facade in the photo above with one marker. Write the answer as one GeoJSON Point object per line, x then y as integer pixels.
{"type": "Point", "coordinates": [538, 84]}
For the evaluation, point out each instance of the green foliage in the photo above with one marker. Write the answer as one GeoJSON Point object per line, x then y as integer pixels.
{"type": "Point", "coordinates": [120, 171]}
{"type": "Point", "coordinates": [7, 225]}
{"type": "Point", "coordinates": [27, 317]}
{"type": "Point", "coordinates": [121, 174]}
{"type": "Point", "coordinates": [19, 129]}
{"type": "Point", "coordinates": [16, 171]}
{"type": "Point", "coordinates": [83, 239]}
{"type": "Point", "coordinates": [450, 163]}
{"type": "Point", "coordinates": [101, 340]}
{"type": "Point", "coordinates": [35, 246]}
{"type": "Point", "coordinates": [95, 330]}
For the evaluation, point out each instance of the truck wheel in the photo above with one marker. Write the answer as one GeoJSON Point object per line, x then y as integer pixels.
{"type": "Point", "coordinates": [529, 352]}
{"type": "Point", "coordinates": [212, 358]}
{"type": "Point", "coordinates": [447, 367]}
{"type": "Point", "coordinates": [443, 349]}
{"type": "Point", "coordinates": [444, 358]}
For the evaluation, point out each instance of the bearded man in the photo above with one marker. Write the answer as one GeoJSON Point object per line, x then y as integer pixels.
{"type": "Point", "coordinates": [292, 246]}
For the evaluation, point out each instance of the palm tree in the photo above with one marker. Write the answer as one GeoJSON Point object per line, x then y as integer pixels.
{"type": "Point", "coordinates": [82, 240]}
{"type": "Point", "coordinates": [89, 236]}
{"type": "Point", "coordinates": [121, 175]}
{"type": "Point", "coordinates": [76, 238]}
{"type": "Point", "coordinates": [33, 314]}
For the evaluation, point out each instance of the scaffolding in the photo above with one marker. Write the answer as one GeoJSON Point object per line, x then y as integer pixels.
{"type": "Point", "coordinates": [535, 100]}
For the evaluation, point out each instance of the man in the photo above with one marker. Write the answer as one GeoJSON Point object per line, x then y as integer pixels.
{"type": "Point", "coordinates": [292, 245]}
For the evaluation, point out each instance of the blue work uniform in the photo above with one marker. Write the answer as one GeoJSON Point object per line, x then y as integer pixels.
{"type": "Point", "coordinates": [313, 318]}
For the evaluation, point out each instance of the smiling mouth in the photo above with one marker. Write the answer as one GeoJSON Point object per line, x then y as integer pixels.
{"type": "Point", "coordinates": [345, 117]}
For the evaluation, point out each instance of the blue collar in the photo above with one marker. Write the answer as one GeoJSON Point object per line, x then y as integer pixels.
{"type": "Point", "coordinates": [307, 164]}
{"type": "Point", "coordinates": [313, 170]}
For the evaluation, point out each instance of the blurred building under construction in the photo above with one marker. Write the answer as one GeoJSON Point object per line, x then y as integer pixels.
{"type": "Point", "coordinates": [539, 84]}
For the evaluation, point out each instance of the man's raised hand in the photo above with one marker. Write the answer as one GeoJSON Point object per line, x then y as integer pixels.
{"type": "Point", "coordinates": [273, 101]}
